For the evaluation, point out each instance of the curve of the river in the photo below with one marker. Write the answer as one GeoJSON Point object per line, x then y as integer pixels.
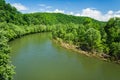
{"type": "Point", "coordinates": [36, 57]}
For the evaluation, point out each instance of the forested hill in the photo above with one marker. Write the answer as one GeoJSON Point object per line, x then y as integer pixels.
{"type": "Point", "coordinates": [55, 18]}
{"type": "Point", "coordinates": [10, 14]}
{"type": "Point", "coordinates": [86, 33]}
{"type": "Point", "coordinates": [7, 12]}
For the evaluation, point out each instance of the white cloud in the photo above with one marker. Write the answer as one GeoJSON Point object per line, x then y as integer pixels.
{"type": "Point", "coordinates": [77, 14]}
{"type": "Point", "coordinates": [90, 12]}
{"type": "Point", "coordinates": [19, 6]}
{"type": "Point", "coordinates": [118, 12]}
{"type": "Point", "coordinates": [98, 15]}
{"type": "Point", "coordinates": [45, 6]}
{"type": "Point", "coordinates": [110, 12]}
{"type": "Point", "coordinates": [41, 9]}
{"type": "Point", "coordinates": [42, 5]}
{"type": "Point", "coordinates": [48, 7]}
{"type": "Point", "coordinates": [71, 13]}
{"type": "Point", "coordinates": [93, 13]}
{"type": "Point", "coordinates": [58, 11]}
{"type": "Point", "coordinates": [55, 11]}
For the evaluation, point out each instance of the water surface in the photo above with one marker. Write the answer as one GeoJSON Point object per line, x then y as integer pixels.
{"type": "Point", "coordinates": [36, 57]}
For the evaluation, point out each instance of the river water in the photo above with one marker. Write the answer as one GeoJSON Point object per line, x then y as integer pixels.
{"type": "Point", "coordinates": [36, 57]}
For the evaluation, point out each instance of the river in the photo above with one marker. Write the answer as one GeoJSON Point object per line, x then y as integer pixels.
{"type": "Point", "coordinates": [36, 57]}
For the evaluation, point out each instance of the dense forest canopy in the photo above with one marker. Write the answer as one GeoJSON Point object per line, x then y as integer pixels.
{"type": "Point", "coordinates": [10, 14]}
{"type": "Point", "coordinates": [86, 33]}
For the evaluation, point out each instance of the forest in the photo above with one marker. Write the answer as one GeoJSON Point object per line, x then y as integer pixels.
{"type": "Point", "coordinates": [88, 34]}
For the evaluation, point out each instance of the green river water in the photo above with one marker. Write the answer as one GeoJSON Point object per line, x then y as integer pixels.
{"type": "Point", "coordinates": [36, 57]}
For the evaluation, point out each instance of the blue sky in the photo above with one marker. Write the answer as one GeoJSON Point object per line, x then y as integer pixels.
{"type": "Point", "coordinates": [99, 8]}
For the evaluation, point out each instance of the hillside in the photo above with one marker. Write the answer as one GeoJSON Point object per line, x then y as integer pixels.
{"type": "Point", "coordinates": [10, 14]}
{"type": "Point", "coordinates": [88, 34]}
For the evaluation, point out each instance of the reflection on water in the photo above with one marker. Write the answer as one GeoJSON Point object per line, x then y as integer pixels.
{"type": "Point", "coordinates": [36, 57]}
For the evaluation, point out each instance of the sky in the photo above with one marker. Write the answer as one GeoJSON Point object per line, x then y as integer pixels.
{"type": "Point", "coordinates": [101, 10]}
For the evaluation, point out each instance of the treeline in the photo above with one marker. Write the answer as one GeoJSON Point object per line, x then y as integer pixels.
{"type": "Point", "coordinates": [92, 37]}
{"type": "Point", "coordinates": [6, 68]}
{"type": "Point", "coordinates": [9, 14]}
{"type": "Point", "coordinates": [86, 37]}
{"type": "Point", "coordinates": [45, 18]}
{"type": "Point", "coordinates": [112, 30]}
{"type": "Point", "coordinates": [9, 31]}
{"type": "Point", "coordinates": [54, 18]}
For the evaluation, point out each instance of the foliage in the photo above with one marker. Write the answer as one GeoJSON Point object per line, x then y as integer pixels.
{"type": "Point", "coordinates": [113, 37]}
{"type": "Point", "coordinates": [93, 39]}
{"type": "Point", "coordinates": [9, 31]}
{"type": "Point", "coordinates": [86, 38]}
{"type": "Point", "coordinates": [86, 33]}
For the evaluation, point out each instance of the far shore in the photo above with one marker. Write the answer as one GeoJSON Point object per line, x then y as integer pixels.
{"type": "Point", "coordinates": [72, 47]}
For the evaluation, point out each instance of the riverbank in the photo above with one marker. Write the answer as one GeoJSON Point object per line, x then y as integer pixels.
{"type": "Point", "coordinates": [72, 47]}
{"type": "Point", "coordinates": [8, 33]}
{"type": "Point", "coordinates": [50, 58]}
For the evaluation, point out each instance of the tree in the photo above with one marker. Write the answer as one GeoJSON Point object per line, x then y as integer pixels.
{"type": "Point", "coordinates": [6, 70]}
{"type": "Point", "coordinates": [113, 30]}
{"type": "Point", "coordinates": [93, 40]}
{"type": "Point", "coordinates": [115, 50]}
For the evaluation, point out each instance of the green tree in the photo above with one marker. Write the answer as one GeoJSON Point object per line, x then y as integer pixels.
{"type": "Point", "coordinates": [93, 40]}
{"type": "Point", "coordinates": [115, 50]}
